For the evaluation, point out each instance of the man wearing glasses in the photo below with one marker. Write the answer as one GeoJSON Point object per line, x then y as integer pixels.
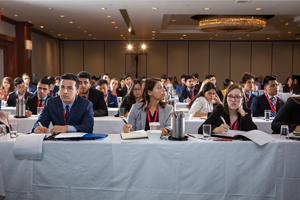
{"type": "Point", "coordinates": [40, 99]}
{"type": "Point", "coordinates": [28, 87]}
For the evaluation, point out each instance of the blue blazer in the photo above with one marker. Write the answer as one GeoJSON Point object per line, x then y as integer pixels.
{"type": "Point", "coordinates": [81, 114]}
{"type": "Point", "coordinates": [12, 96]}
{"type": "Point", "coordinates": [260, 104]}
{"type": "Point", "coordinates": [178, 88]}
{"type": "Point", "coordinates": [32, 88]}
{"type": "Point", "coordinates": [184, 93]}
{"type": "Point", "coordinates": [112, 100]}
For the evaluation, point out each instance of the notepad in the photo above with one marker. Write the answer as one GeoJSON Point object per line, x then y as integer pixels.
{"type": "Point", "coordinates": [134, 135]}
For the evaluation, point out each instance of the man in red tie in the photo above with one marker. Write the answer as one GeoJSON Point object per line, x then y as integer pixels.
{"type": "Point", "coordinates": [127, 80]}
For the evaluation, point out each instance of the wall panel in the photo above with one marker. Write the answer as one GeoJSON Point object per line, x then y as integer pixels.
{"type": "Point", "coordinates": [94, 57]}
{"type": "Point", "coordinates": [73, 57]}
{"type": "Point", "coordinates": [282, 61]}
{"type": "Point", "coordinates": [261, 63]}
{"type": "Point", "coordinates": [157, 58]}
{"type": "Point", "coordinates": [296, 59]}
{"type": "Point", "coordinates": [240, 59]}
{"type": "Point", "coordinates": [199, 58]}
{"type": "Point", "coordinates": [115, 58]}
{"type": "Point", "coordinates": [220, 61]}
{"type": "Point", "coordinates": [178, 58]}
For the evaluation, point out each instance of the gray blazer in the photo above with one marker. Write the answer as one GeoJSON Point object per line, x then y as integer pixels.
{"type": "Point", "coordinates": [137, 117]}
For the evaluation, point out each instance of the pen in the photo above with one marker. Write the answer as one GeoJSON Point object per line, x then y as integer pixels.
{"type": "Point", "coordinates": [223, 120]}
{"type": "Point", "coordinates": [191, 135]}
{"type": "Point", "coordinates": [40, 124]}
{"type": "Point", "coordinates": [124, 121]}
{"type": "Point", "coordinates": [222, 139]}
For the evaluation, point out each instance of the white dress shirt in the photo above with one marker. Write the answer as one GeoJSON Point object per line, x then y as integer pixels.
{"type": "Point", "coordinates": [201, 105]}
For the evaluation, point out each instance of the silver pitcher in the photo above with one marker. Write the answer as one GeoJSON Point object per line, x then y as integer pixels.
{"type": "Point", "coordinates": [20, 107]}
{"type": "Point", "coordinates": [178, 124]}
{"type": "Point", "coordinates": [172, 102]}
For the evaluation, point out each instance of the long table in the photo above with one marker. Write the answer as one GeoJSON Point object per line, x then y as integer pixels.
{"type": "Point", "coordinates": [139, 169]}
{"type": "Point", "coordinates": [111, 125]}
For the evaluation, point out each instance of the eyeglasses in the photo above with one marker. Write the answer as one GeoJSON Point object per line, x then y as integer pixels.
{"type": "Point", "coordinates": [234, 97]}
{"type": "Point", "coordinates": [138, 89]}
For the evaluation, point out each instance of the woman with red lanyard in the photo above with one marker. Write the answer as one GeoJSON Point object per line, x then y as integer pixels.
{"type": "Point", "coordinates": [233, 111]}
{"type": "Point", "coordinates": [150, 109]}
{"type": "Point", "coordinates": [114, 88]}
{"type": "Point", "coordinates": [6, 87]}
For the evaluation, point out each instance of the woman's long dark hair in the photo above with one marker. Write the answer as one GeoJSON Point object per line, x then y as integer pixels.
{"type": "Point", "coordinates": [130, 96]}
{"type": "Point", "coordinates": [207, 86]}
{"type": "Point", "coordinates": [11, 82]}
{"type": "Point", "coordinates": [149, 85]}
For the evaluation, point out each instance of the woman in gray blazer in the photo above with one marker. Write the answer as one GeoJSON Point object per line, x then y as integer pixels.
{"type": "Point", "coordinates": [150, 109]}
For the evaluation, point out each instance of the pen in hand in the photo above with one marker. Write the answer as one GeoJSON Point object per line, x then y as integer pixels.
{"type": "Point", "coordinates": [41, 125]}
{"type": "Point", "coordinates": [223, 120]}
{"type": "Point", "coordinates": [124, 121]}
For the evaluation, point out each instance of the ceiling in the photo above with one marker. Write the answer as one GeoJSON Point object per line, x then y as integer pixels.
{"type": "Point", "coordinates": [170, 21]}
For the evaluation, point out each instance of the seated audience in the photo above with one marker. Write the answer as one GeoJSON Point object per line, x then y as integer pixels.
{"type": "Point", "coordinates": [247, 80]}
{"type": "Point", "coordinates": [234, 111]}
{"type": "Point", "coordinates": [259, 82]}
{"type": "Point", "coordinates": [53, 88]}
{"type": "Point", "coordinates": [93, 81]}
{"type": "Point", "coordinates": [213, 79]}
{"type": "Point", "coordinates": [40, 99]}
{"type": "Point", "coordinates": [151, 109]}
{"type": "Point", "coordinates": [127, 81]}
{"type": "Point", "coordinates": [67, 112]}
{"type": "Point", "coordinates": [57, 80]}
{"type": "Point", "coordinates": [7, 86]}
{"type": "Point", "coordinates": [269, 100]}
{"type": "Point", "coordinates": [143, 79]}
{"type": "Point", "coordinates": [180, 86]}
{"type": "Point", "coordinates": [289, 115]}
{"type": "Point", "coordinates": [19, 93]}
{"type": "Point", "coordinates": [295, 81]}
{"type": "Point", "coordinates": [196, 77]}
{"type": "Point", "coordinates": [88, 92]}
{"type": "Point", "coordinates": [227, 82]}
{"type": "Point", "coordinates": [114, 88]}
{"type": "Point", "coordinates": [203, 101]}
{"type": "Point", "coordinates": [122, 83]}
{"type": "Point", "coordinates": [110, 99]}
{"type": "Point", "coordinates": [28, 87]}
{"type": "Point", "coordinates": [134, 96]}
{"type": "Point", "coordinates": [289, 85]}
{"type": "Point", "coordinates": [163, 80]}
{"type": "Point", "coordinates": [189, 92]}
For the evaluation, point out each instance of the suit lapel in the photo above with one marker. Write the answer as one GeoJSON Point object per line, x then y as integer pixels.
{"type": "Point", "coordinates": [74, 108]}
{"type": "Point", "coordinates": [143, 117]}
{"type": "Point", "coordinates": [60, 111]}
{"type": "Point", "coordinates": [161, 115]}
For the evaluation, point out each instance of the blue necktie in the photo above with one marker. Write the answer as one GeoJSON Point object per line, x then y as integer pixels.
{"type": "Point", "coordinates": [272, 100]}
{"type": "Point", "coordinates": [67, 113]}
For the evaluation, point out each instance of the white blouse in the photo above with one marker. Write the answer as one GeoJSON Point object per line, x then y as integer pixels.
{"type": "Point", "coordinates": [201, 105]}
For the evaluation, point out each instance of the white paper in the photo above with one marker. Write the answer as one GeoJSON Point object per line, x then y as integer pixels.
{"type": "Point", "coordinates": [69, 135]}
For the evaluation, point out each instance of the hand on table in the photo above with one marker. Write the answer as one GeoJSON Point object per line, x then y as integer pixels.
{"type": "Point", "coordinates": [59, 129]}
{"type": "Point", "coordinates": [28, 113]}
{"type": "Point", "coordinates": [127, 128]}
{"type": "Point", "coordinates": [41, 130]}
{"type": "Point", "coordinates": [188, 100]}
{"type": "Point", "coordinates": [163, 132]}
{"type": "Point", "coordinates": [297, 128]}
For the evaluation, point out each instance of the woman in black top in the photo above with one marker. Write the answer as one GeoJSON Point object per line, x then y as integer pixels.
{"type": "Point", "coordinates": [289, 85]}
{"type": "Point", "coordinates": [289, 114]}
{"type": "Point", "coordinates": [134, 96]}
{"type": "Point", "coordinates": [114, 88]}
{"type": "Point", "coordinates": [234, 111]}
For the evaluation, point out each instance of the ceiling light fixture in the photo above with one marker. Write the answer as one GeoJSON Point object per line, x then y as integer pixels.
{"type": "Point", "coordinates": [116, 27]}
{"type": "Point", "coordinates": [289, 32]}
{"type": "Point", "coordinates": [143, 46]}
{"type": "Point", "coordinates": [71, 22]}
{"type": "Point", "coordinates": [121, 35]}
{"type": "Point", "coordinates": [113, 22]}
{"type": "Point", "coordinates": [173, 20]}
{"type": "Point", "coordinates": [90, 35]}
{"type": "Point", "coordinates": [153, 31]}
{"type": "Point", "coordinates": [154, 8]}
{"type": "Point", "coordinates": [102, 8]}
{"type": "Point", "coordinates": [42, 26]}
{"type": "Point", "coordinates": [61, 16]}
{"type": "Point", "coordinates": [286, 24]}
{"type": "Point", "coordinates": [50, 8]}
{"type": "Point", "coordinates": [129, 29]}
{"type": "Point", "coordinates": [206, 8]}
{"type": "Point", "coordinates": [258, 8]}
{"type": "Point", "coordinates": [59, 34]}
{"type": "Point", "coordinates": [181, 38]}
{"type": "Point", "coordinates": [129, 47]}
{"type": "Point", "coordinates": [108, 16]}
{"type": "Point", "coordinates": [184, 35]}
{"type": "Point", "coordinates": [30, 22]}
{"type": "Point", "coordinates": [16, 15]}
{"type": "Point", "coordinates": [268, 38]}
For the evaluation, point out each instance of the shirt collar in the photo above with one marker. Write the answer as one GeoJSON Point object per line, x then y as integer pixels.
{"type": "Point", "coordinates": [20, 95]}
{"type": "Point", "coordinates": [42, 98]}
{"type": "Point", "coordinates": [269, 96]}
{"type": "Point", "coordinates": [70, 105]}
{"type": "Point", "coordinates": [189, 89]}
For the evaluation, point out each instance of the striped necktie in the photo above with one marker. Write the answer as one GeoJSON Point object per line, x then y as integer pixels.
{"type": "Point", "coordinates": [272, 100]}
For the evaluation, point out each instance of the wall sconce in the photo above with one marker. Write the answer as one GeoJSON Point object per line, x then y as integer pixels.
{"type": "Point", "coordinates": [28, 45]}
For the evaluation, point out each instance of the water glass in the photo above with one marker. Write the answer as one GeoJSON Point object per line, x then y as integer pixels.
{"type": "Point", "coordinates": [206, 131]}
{"type": "Point", "coordinates": [119, 101]}
{"type": "Point", "coordinates": [284, 131]}
{"type": "Point", "coordinates": [39, 110]}
{"type": "Point", "coordinates": [3, 131]}
{"type": "Point", "coordinates": [14, 130]}
{"type": "Point", "coordinates": [267, 115]}
{"type": "Point", "coordinates": [121, 112]}
{"type": "Point", "coordinates": [187, 116]}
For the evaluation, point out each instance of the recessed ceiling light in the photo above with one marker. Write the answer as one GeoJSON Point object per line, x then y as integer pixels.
{"type": "Point", "coordinates": [42, 26]}
{"type": "Point", "coordinates": [71, 22]}
{"type": "Point", "coordinates": [216, 34]}
{"type": "Point", "coordinates": [116, 27]}
{"type": "Point", "coordinates": [113, 22]}
{"type": "Point", "coordinates": [153, 38]}
{"type": "Point", "coordinates": [62, 16]}
{"type": "Point", "coordinates": [181, 38]}
{"type": "Point", "coordinates": [94, 38]}
{"type": "Point", "coordinates": [85, 31]}
{"type": "Point", "coordinates": [78, 27]}
{"type": "Point", "coordinates": [173, 20]}
{"type": "Point", "coordinates": [153, 31]}
{"type": "Point", "coordinates": [286, 24]}
{"type": "Point", "coordinates": [154, 8]}
{"type": "Point", "coordinates": [240, 38]}
{"type": "Point", "coordinates": [102, 8]}
{"type": "Point", "coordinates": [90, 35]}
{"type": "Point", "coordinates": [184, 35]}
{"type": "Point", "coordinates": [30, 22]}
{"type": "Point", "coordinates": [121, 35]}
{"type": "Point", "coordinates": [143, 46]}
{"type": "Point", "coordinates": [258, 8]}
{"type": "Point", "coordinates": [289, 32]}
{"type": "Point", "coordinates": [58, 34]}
{"type": "Point", "coordinates": [248, 35]}
{"type": "Point", "coordinates": [108, 16]}
{"type": "Point", "coordinates": [206, 8]}
{"type": "Point", "coordinates": [66, 38]}
{"type": "Point", "coordinates": [50, 8]}
{"type": "Point", "coordinates": [16, 15]}
{"type": "Point", "coordinates": [268, 38]}
{"type": "Point", "coordinates": [153, 34]}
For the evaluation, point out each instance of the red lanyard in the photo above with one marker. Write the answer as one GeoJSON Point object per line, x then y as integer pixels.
{"type": "Point", "coordinates": [52, 93]}
{"type": "Point", "coordinates": [193, 94]}
{"type": "Point", "coordinates": [38, 102]}
{"type": "Point", "coordinates": [148, 115]}
{"type": "Point", "coordinates": [236, 125]}
{"type": "Point", "coordinates": [65, 116]}
{"type": "Point", "coordinates": [86, 96]}
{"type": "Point", "coordinates": [275, 103]}
{"type": "Point", "coordinates": [248, 96]}
{"type": "Point", "coordinates": [27, 88]}
{"type": "Point", "coordinates": [106, 100]}
{"type": "Point", "coordinates": [5, 98]}
{"type": "Point", "coordinates": [18, 97]}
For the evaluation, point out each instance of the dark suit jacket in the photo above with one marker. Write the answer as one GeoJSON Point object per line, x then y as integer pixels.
{"type": "Point", "coordinates": [178, 88]}
{"type": "Point", "coordinates": [32, 88]}
{"type": "Point", "coordinates": [54, 90]}
{"type": "Point", "coordinates": [81, 114]}
{"type": "Point", "coordinates": [296, 89]}
{"type": "Point", "coordinates": [289, 115]}
{"type": "Point", "coordinates": [184, 93]}
{"type": "Point", "coordinates": [124, 90]}
{"type": "Point", "coordinates": [250, 100]}
{"type": "Point", "coordinates": [99, 105]}
{"type": "Point", "coordinates": [12, 96]}
{"type": "Point", "coordinates": [31, 104]}
{"type": "Point", "coordinates": [112, 100]}
{"type": "Point", "coordinates": [245, 123]}
{"type": "Point", "coordinates": [260, 104]}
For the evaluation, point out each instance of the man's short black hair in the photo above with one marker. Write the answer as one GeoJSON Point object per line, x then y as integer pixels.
{"type": "Point", "coordinates": [101, 81]}
{"type": "Point", "coordinates": [189, 77]}
{"type": "Point", "coordinates": [94, 77]}
{"type": "Point", "coordinates": [57, 78]}
{"type": "Point", "coordinates": [51, 80]}
{"type": "Point", "coordinates": [209, 76]}
{"type": "Point", "coordinates": [45, 81]}
{"type": "Point", "coordinates": [122, 79]}
{"type": "Point", "coordinates": [196, 75]}
{"type": "Point", "coordinates": [183, 76]}
{"type": "Point", "coordinates": [143, 77]}
{"type": "Point", "coordinates": [267, 79]}
{"type": "Point", "coordinates": [25, 74]}
{"type": "Point", "coordinates": [84, 74]}
{"type": "Point", "coordinates": [164, 76]}
{"type": "Point", "coordinates": [73, 77]}
{"type": "Point", "coordinates": [126, 76]}
{"type": "Point", "coordinates": [101, 77]}
{"type": "Point", "coordinates": [18, 81]}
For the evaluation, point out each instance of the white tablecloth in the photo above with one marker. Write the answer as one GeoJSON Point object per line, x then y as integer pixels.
{"type": "Point", "coordinates": [12, 110]}
{"type": "Point", "coordinates": [284, 96]}
{"type": "Point", "coordinates": [180, 105]}
{"type": "Point", "coordinates": [139, 169]}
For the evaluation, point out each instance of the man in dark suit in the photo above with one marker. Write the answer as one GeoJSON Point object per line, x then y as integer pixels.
{"type": "Point", "coordinates": [19, 93]}
{"type": "Point", "coordinates": [53, 88]}
{"type": "Point", "coordinates": [110, 99]}
{"type": "Point", "coordinates": [88, 92]}
{"type": "Point", "coordinates": [247, 80]}
{"type": "Point", "coordinates": [67, 112]}
{"type": "Point", "coordinates": [187, 93]}
{"type": "Point", "coordinates": [28, 87]}
{"type": "Point", "coordinates": [269, 100]}
{"type": "Point", "coordinates": [127, 80]}
{"type": "Point", "coordinates": [180, 86]}
{"type": "Point", "coordinates": [40, 99]}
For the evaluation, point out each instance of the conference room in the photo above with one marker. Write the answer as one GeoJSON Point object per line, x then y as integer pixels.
{"type": "Point", "coordinates": [45, 41]}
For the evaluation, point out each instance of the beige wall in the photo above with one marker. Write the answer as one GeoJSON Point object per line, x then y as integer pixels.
{"type": "Point", "coordinates": [225, 59]}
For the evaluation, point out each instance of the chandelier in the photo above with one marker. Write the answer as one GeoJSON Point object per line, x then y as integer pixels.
{"type": "Point", "coordinates": [231, 24]}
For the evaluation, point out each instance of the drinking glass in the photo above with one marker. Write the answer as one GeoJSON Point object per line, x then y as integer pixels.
{"type": "Point", "coordinates": [39, 110]}
{"type": "Point", "coordinates": [267, 115]}
{"type": "Point", "coordinates": [206, 131]}
{"type": "Point", "coordinates": [121, 112]}
{"type": "Point", "coordinates": [119, 101]}
{"type": "Point", "coordinates": [14, 130]}
{"type": "Point", "coordinates": [284, 132]}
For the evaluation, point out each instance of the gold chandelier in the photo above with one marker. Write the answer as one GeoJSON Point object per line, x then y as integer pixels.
{"type": "Point", "coordinates": [231, 24]}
